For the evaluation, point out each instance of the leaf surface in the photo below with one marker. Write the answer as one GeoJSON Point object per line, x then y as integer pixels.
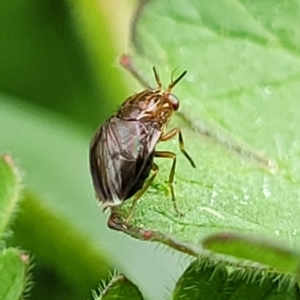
{"type": "Point", "coordinates": [239, 116]}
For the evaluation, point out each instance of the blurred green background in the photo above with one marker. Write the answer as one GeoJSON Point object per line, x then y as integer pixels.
{"type": "Point", "coordinates": [62, 55]}
{"type": "Point", "coordinates": [59, 79]}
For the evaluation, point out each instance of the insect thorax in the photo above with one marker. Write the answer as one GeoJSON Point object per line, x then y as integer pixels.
{"type": "Point", "coordinates": [149, 106]}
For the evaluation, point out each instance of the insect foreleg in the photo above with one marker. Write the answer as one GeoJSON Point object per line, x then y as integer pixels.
{"type": "Point", "coordinates": [168, 135]}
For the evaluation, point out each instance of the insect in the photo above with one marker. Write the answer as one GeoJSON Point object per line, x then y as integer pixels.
{"type": "Point", "coordinates": [122, 151]}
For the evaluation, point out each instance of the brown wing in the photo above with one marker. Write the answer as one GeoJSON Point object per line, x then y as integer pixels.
{"type": "Point", "coordinates": [119, 154]}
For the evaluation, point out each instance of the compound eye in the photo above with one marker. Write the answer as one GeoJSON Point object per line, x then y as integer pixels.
{"type": "Point", "coordinates": [173, 100]}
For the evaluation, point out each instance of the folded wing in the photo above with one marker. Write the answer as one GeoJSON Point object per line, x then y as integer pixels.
{"type": "Point", "coordinates": [121, 152]}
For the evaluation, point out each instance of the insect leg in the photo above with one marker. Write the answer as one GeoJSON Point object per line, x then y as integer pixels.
{"type": "Point", "coordinates": [139, 193]}
{"type": "Point", "coordinates": [168, 154]}
{"type": "Point", "coordinates": [168, 135]}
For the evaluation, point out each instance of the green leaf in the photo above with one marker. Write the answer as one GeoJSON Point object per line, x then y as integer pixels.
{"type": "Point", "coordinates": [261, 251]}
{"type": "Point", "coordinates": [119, 287]}
{"type": "Point", "coordinates": [13, 274]}
{"type": "Point", "coordinates": [239, 116]}
{"type": "Point", "coordinates": [204, 279]}
{"type": "Point", "coordinates": [59, 247]}
{"type": "Point", "coordinates": [10, 190]}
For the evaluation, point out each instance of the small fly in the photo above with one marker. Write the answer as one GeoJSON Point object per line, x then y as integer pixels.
{"type": "Point", "coordinates": [122, 151]}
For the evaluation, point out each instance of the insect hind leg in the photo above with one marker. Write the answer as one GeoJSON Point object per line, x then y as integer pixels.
{"type": "Point", "coordinates": [171, 155]}
{"type": "Point", "coordinates": [138, 195]}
